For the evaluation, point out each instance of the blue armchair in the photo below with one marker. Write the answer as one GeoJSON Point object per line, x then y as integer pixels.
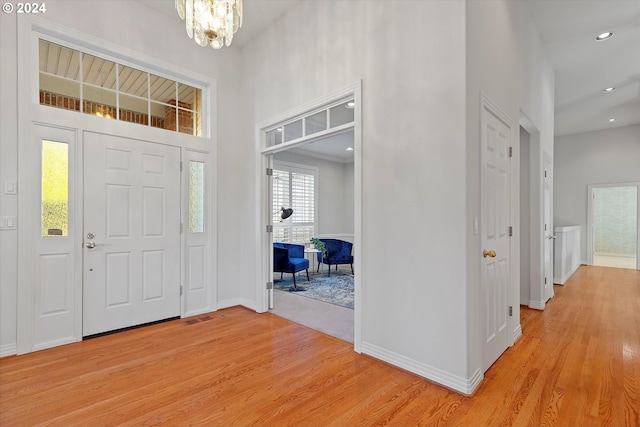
{"type": "Point", "coordinates": [338, 252]}
{"type": "Point", "coordinates": [289, 258]}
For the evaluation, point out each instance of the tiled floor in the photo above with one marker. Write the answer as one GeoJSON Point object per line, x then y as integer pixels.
{"type": "Point", "coordinates": [613, 261]}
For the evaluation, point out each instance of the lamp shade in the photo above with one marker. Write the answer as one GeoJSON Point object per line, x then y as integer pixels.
{"type": "Point", "coordinates": [286, 213]}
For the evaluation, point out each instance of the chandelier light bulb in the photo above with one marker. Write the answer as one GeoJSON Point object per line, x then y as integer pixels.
{"type": "Point", "coordinates": [211, 22]}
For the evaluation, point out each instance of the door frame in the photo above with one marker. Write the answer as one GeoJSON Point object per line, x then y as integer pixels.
{"type": "Point", "coordinates": [590, 218]}
{"type": "Point", "coordinates": [31, 113]}
{"type": "Point", "coordinates": [536, 298]}
{"type": "Point", "coordinates": [547, 179]}
{"type": "Point", "coordinates": [264, 160]}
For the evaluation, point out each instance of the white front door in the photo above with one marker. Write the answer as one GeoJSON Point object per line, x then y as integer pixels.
{"type": "Point", "coordinates": [131, 265]}
{"type": "Point", "coordinates": [496, 261]}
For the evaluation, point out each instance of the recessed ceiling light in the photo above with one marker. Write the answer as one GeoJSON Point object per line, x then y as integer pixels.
{"type": "Point", "coordinates": [609, 89]}
{"type": "Point", "coordinates": [350, 104]}
{"type": "Point", "coordinates": [349, 148]}
{"type": "Point", "coordinates": [612, 120]}
{"type": "Point", "coordinates": [604, 36]}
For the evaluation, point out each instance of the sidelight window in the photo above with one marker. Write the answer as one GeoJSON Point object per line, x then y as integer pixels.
{"type": "Point", "coordinates": [55, 189]}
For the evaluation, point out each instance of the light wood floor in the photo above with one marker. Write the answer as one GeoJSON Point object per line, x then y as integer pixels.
{"type": "Point", "coordinates": [578, 364]}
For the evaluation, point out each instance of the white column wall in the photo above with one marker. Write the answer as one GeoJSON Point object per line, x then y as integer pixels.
{"type": "Point", "coordinates": [8, 171]}
{"type": "Point", "coordinates": [413, 148]}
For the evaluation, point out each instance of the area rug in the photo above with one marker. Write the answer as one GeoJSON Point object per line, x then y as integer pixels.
{"type": "Point", "coordinates": [337, 289]}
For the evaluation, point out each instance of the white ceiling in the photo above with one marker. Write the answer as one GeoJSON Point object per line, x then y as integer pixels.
{"type": "Point", "coordinates": [568, 29]}
{"type": "Point", "coordinates": [584, 67]}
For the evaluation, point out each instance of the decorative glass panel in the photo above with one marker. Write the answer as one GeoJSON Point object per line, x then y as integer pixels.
{"type": "Point", "coordinates": [274, 137]}
{"type": "Point", "coordinates": [78, 81]}
{"type": "Point", "coordinates": [162, 90]}
{"type": "Point", "coordinates": [55, 189]}
{"type": "Point", "coordinates": [133, 82]}
{"type": "Point", "coordinates": [59, 76]}
{"type": "Point", "coordinates": [316, 122]}
{"type": "Point", "coordinates": [99, 101]}
{"type": "Point", "coordinates": [196, 197]}
{"type": "Point", "coordinates": [293, 130]}
{"type": "Point", "coordinates": [108, 89]}
{"type": "Point", "coordinates": [340, 115]}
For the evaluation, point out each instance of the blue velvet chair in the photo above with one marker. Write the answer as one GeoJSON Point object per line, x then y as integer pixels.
{"type": "Point", "coordinates": [289, 258]}
{"type": "Point", "coordinates": [338, 252]}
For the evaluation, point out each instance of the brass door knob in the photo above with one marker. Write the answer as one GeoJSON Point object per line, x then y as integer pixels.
{"type": "Point", "coordinates": [487, 253]}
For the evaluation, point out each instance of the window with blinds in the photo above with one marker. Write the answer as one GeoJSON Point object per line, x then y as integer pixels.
{"type": "Point", "coordinates": [294, 187]}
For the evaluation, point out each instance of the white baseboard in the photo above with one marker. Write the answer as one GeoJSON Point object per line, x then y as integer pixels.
{"type": "Point", "coordinates": [562, 280]}
{"type": "Point", "coordinates": [54, 343]}
{"type": "Point", "coordinates": [517, 333]}
{"type": "Point", "coordinates": [8, 350]}
{"type": "Point", "coordinates": [538, 305]}
{"type": "Point", "coordinates": [463, 385]}
{"type": "Point", "coordinates": [232, 302]}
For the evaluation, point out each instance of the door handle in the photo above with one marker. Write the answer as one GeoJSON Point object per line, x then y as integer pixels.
{"type": "Point", "coordinates": [491, 253]}
{"type": "Point", "coordinates": [551, 237]}
{"type": "Point", "coordinates": [90, 245]}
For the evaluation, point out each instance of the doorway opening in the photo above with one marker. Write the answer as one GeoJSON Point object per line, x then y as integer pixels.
{"type": "Point", "coordinates": [316, 181]}
{"type": "Point", "coordinates": [323, 135]}
{"type": "Point", "coordinates": [614, 225]}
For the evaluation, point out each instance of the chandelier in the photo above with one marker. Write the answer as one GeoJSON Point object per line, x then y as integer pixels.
{"type": "Point", "coordinates": [211, 22]}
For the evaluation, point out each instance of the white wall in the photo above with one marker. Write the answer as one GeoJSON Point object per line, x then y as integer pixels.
{"type": "Point", "coordinates": [8, 171]}
{"type": "Point", "coordinates": [157, 36]}
{"type": "Point", "coordinates": [600, 157]}
{"type": "Point", "coordinates": [413, 153]}
{"type": "Point", "coordinates": [335, 192]}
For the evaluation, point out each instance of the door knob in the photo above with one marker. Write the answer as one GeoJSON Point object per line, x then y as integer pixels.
{"type": "Point", "coordinates": [487, 253]}
{"type": "Point", "coordinates": [90, 245]}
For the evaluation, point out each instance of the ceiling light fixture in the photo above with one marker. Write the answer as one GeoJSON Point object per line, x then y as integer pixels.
{"type": "Point", "coordinates": [211, 22]}
{"type": "Point", "coordinates": [604, 36]}
{"type": "Point", "coordinates": [612, 120]}
{"type": "Point", "coordinates": [609, 89]}
{"type": "Point", "coordinates": [349, 148]}
{"type": "Point", "coordinates": [350, 104]}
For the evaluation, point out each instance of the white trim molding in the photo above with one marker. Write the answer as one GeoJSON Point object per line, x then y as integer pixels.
{"type": "Point", "coordinates": [8, 350]}
{"type": "Point", "coordinates": [466, 386]}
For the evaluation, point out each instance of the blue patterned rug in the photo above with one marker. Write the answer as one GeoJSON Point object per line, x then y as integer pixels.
{"type": "Point", "coordinates": [337, 289]}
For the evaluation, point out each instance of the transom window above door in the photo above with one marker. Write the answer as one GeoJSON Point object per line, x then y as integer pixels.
{"type": "Point", "coordinates": [74, 80]}
{"type": "Point", "coordinates": [330, 118]}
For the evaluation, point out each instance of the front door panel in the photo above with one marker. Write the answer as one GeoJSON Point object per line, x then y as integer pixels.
{"type": "Point", "coordinates": [131, 272]}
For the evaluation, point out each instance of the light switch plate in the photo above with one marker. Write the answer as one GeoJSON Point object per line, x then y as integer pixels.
{"type": "Point", "coordinates": [10, 187]}
{"type": "Point", "coordinates": [7, 223]}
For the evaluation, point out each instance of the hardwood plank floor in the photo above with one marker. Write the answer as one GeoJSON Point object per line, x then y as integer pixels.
{"type": "Point", "coordinates": [577, 364]}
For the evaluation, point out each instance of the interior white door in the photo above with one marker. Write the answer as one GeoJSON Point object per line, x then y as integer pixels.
{"type": "Point", "coordinates": [496, 261]}
{"type": "Point", "coordinates": [131, 264]}
{"type": "Point", "coordinates": [549, 236]}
